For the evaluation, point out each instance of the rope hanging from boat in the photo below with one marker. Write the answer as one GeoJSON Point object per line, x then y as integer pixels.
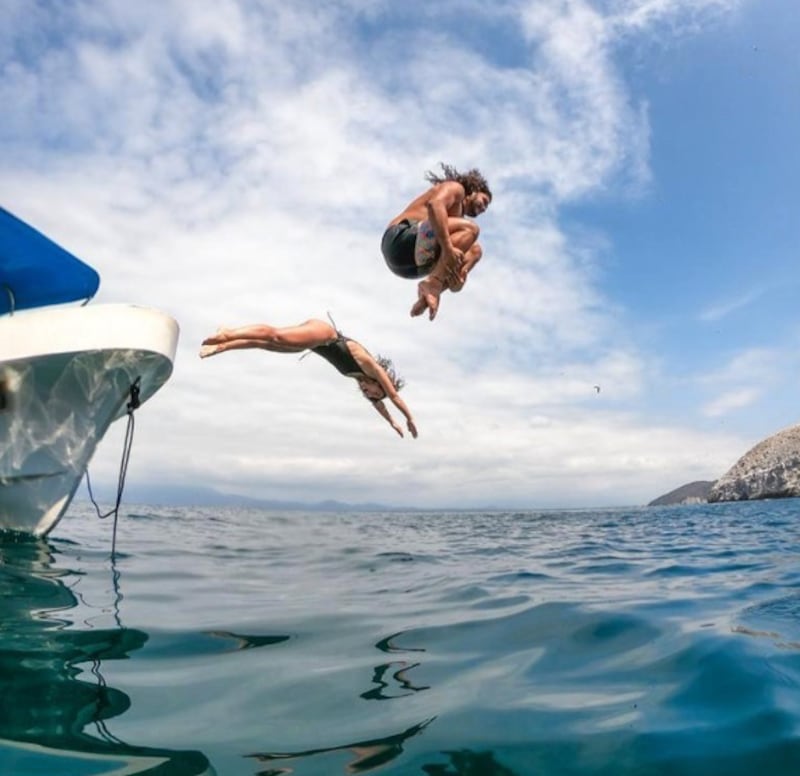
{"type": "Point", "coordinates": [132, 405]}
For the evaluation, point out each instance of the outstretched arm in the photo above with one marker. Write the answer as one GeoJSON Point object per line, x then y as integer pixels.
{"type": "Point", "coordinates": [401, 405]}
{"type": "Point", "coordinates": [374, 370]}
{"type": "Point", "coordinates": [394, 397]}
{"type": "Point", "coordinates": [384, 413]}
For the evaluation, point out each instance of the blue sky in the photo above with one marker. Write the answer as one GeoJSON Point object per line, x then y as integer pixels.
{"type": "Point", "coordinates": [236, 161]}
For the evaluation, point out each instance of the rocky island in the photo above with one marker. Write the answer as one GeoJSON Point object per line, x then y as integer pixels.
{"type": "Point", "coordinates": [771, 469]}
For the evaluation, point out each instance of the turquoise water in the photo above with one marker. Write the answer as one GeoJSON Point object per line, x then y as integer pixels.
{"type": "Point", "coordinates": [644, 641]}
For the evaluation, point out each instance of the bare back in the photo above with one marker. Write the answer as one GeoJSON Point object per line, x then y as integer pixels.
{"type": "Point", "coordinates": [450, 193]}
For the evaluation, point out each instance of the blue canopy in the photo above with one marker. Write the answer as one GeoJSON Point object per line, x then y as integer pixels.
{"type": "Point", "coordinates": [35, 272]}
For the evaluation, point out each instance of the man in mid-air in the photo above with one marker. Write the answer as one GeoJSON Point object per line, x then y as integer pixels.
{"type": "Point", "coordinates": [433, 240]}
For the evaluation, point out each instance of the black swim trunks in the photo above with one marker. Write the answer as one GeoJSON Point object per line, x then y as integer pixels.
{"type": "Point", "coordinates": [398, 247]}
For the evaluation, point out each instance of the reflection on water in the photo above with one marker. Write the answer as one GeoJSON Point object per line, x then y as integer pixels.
{"type": "Point", "coordinates": [244, 641]}
{"type": "Point", "coordinates": [467, 763]}
{"type": "Point", "coordinates": [774, 619]}
{"type": "Point", "coordinates": [55, 705]}
{"type": "Point", "coordinates": [394, 672]}
{"type": "Point", "coordinates": [52, 716]}
{"type": "Point", "coordinates": [366, 755]}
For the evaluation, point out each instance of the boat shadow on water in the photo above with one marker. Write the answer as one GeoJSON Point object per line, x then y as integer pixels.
{"type": "Point", "coordinates": [52, 718]}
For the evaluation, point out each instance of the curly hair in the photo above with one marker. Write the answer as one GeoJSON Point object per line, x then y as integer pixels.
{"type": "Point", "coordinates": [388, 367]}
{"type": "Point", "coordinates": [472, 180]}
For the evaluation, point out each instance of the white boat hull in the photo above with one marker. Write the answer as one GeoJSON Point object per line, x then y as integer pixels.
{"type": "Point", "coordinates": [65, 376]}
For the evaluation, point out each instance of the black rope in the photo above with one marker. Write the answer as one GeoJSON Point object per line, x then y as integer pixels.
{"type": "Point", "coordinates": [132, 405]}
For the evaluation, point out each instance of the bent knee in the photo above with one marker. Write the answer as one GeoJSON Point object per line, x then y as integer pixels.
{"type": "Point", "coordinates": [464, 226]}
{"type": "Point", "coordinates": [469, 229]}
{"type": "Point", "coordinates": [473, 256]}
{"type": "Point", "coordinates": [466, 237]}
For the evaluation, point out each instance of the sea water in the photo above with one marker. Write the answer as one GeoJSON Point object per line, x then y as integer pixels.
{"type": "Point", "coordinates": [245, 642]}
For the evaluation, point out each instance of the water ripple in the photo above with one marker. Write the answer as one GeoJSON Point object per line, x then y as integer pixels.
{"type": "Point", "coordinates": [630, 642]}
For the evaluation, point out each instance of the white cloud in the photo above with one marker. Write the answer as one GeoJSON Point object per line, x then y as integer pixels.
{"type": "Point", "coordinates": [750, 365]}
{"type": "Point", "coordinates": [234, 162]}
{"type": "Point", "coordinates": [745, 379]}
{"type": "Point", "coordinates": [681, 15]}
{"type": "Point", "coordinates": [723, 309]}
{"type": "Point", "coordinates": [729, 401]}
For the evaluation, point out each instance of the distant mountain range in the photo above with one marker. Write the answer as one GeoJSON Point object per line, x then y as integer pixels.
{"type": "Point", "coordinates": [184, 496]}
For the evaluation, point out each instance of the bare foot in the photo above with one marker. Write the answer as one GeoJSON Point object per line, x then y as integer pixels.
{"type": "Point", "coordinates": [456, 279]}
{"type": "Point", "coordinates": [429, 291]}
{"type": "Point", "coordinates": [419, 307]}
{"type": "Point", "coordinates": [208, 350]}
{"type": "Point", "coordinates": [220, 336]}
{"type": "Point", "coordinates": [456, 275]}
